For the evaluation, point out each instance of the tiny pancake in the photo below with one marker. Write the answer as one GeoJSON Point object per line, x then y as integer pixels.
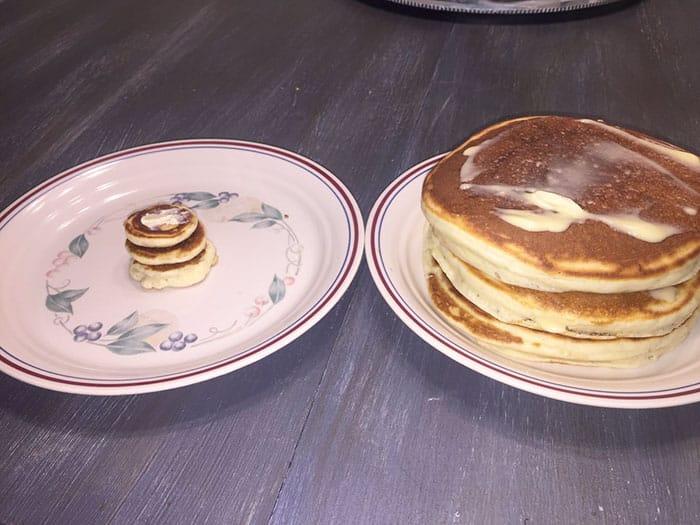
{"type": "Point", "coordinates": [160, 226]}
{"type": "Point", "coordinates": [181, 252]}
{"type": "Point", "coordinates": [563, 204]}
{"type": "Point", "coordinates": [176, 275]}
{"type": "Point", "coordinates": [575, 314]}
{"type": "Point", "coordinates": [526, 344]}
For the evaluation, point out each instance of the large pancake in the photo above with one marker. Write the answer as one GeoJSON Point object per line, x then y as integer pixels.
{"type": "Point", "coordinates": [575, 314]}
{"type": "Point", "coordinates": [617, 210]}
{"type": "Point", "coordinates": [521, 343]}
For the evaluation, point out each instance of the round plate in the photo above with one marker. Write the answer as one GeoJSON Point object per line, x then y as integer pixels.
{"type": "Point", "coordinates": [504, 7]}
{"type": "Point", "coordinates": [394, 253]}
{"type": "Point", "coordinates": [288, 236]}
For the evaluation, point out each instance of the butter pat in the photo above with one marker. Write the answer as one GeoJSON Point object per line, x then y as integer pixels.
{"type": "Point", "coordinates": [164, 220]}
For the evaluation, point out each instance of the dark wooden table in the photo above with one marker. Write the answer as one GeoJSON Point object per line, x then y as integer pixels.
{"type": "Point", "coordinates": [357, 421]}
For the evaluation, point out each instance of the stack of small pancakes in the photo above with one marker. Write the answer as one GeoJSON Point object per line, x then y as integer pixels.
{"type": "Point", "coordinates": [168, 247]}
{"type": "Point", "coordinates": [565, 240]}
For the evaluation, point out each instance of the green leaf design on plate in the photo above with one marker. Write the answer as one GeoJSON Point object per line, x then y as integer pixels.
{"type": "Point", "coordinates": [129, 347]}
{"type": "Point", "coordinates": [131, 341]}
{"type": "Point", "coordinates": [277, 290]}
{"type": "Point", "coordinates": [124, 325]}
{"type": "Point", "coordinates": [251, 216]}
{"type": "Point", "coordinates": [141, 332]}
{"type": "Point", "coordinates": [265, 223]}
{"type": "Point", "coordinates": [79, 245]}
{"type": "Point", "coordinates": [198, 196]}
{"type": "Point", "coordinates": [271, 212]}
{"type": "Point", "coordinates": [62, 301]}
{"type": "Point", "coordinates": [204, 205]}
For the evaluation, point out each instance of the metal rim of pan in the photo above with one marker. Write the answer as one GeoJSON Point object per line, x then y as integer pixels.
{"type": "Point", "coordinates": [504, 7]}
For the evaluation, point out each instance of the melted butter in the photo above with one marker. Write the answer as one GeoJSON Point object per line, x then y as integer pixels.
{"type": "Point", "coordinates": [683, 157]}
{"type": "Point", "coordinates": [667, 294]}
{"type": "Point", "coordinates": [568, 179]}
{"type": "Point", "coordinates": [555, 213]}
{"type": "Point", "coordinates": [614, 153]}
{"type": "Point", "coordinates": [469, 171]}
{"type": "Point", "coordinates": [536, 222]}
{"type": "Point", "coordinates": [163, 220]}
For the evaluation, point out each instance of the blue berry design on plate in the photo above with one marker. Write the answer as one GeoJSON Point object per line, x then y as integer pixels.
{"type": "Point", "coordinates": [177, 342]}
{"type": "Point", "coordinates": [89, 332]}
{"type": "Point", "coordinates": [133, 335]}
{"type": "Point", "coordinates": [202, 199]}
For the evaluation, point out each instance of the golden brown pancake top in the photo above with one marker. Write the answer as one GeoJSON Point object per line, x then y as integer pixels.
{"type": "Point", "coordinates": [135, 227]}
{"type": "Point", "coordinates": [607, 171]}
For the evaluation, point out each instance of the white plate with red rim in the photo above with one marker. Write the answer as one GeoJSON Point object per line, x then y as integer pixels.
{"type": "Point", "coordinates": [393, 247]}
{"type": "Point", "coordinates": [288, 236]}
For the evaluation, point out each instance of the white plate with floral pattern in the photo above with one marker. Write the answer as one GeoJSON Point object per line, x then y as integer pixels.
{"type": "Point", "coordinates": [394, 255]}
{"type": "Point", "coordinates": [289, 239]}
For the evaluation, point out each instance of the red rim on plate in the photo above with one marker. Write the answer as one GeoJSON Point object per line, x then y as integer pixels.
{"type": "Point", "coordinates": [543, 379]}
{"type": "Point", "coordinates": [13, 362]}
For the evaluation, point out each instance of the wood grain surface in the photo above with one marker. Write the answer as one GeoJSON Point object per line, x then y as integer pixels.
{"type": "Point", "coordinates": [357, 421]}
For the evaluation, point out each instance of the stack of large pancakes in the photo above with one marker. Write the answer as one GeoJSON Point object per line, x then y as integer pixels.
{"type": "Point", "coordinates": [565, 240]}
{"type": "Point", "coordinates": [168, 247]}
